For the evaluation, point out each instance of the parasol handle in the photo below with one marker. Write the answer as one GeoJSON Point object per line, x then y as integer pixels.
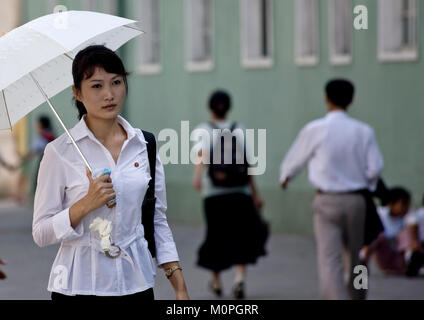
{"type": "Point", "coordinates": [61, 122]}
{"type": "Point", "coordinates": [111, 203]}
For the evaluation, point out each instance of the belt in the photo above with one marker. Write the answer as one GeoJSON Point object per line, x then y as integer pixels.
{"type": "Point", "coordinates": [361, 191]}
{"type": "Point", "coordinates": [89, 241]}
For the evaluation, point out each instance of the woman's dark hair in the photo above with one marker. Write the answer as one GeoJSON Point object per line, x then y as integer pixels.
{"type": "Point", "coordinates": [85, 64]}
{"type": "Point", "coordinates": [220, 103]}
{"type": "Point", "coordinates": [45, 122]}
{"type": "Point", "coordinates": [340, 92]}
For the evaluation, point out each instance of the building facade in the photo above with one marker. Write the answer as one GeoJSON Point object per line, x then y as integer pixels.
{"type": "Point", "coordinates": [274, 57]}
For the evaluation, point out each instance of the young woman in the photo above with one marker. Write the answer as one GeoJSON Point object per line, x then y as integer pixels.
{"type": "Point", "coordinates": [103, 250]}
{"type": "Point", "coordinates": [235, 232]}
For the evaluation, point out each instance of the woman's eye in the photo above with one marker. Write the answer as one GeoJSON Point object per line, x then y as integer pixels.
{"type": "Point", "coordinates": [96, 86]}
{"type": "Point", "coordinates": [117, 82]}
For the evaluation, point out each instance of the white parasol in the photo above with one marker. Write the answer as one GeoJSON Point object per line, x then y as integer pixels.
{"type": "Point", "coordinates": [36, 59]}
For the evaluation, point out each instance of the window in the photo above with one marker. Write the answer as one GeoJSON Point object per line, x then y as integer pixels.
{"type": "Point", "coordinates": [397, 33]}
{"type": "Point", "coordinates": [105, 6]}
{"type": "Point", "coordinates": [199, 35]}
{"type": "Point", "coordinates": [110, 7]}
{"type": "Point", "coordinates": [306, 32]}
{"type": "Point", "coordinates": [148, 55]}
{"type": "Point", "coordinates": [340, 31]}
{"type": "Point", "coordinates": [50, 5]}
{"type": "Point", "coordinates": [256, 33]}
{"type": "Point", "coordinates": [91, 5]}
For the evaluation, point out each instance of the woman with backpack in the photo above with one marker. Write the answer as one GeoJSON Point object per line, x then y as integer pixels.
{"type": "Point", "coordinates": [236, 234]}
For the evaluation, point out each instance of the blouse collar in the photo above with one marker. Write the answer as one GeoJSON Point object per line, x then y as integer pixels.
{"type": "Point", "coordinates": [80, 131]}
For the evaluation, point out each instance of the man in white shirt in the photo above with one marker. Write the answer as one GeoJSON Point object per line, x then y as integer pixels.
{"type": "Point", "coordinates": [343, 158]}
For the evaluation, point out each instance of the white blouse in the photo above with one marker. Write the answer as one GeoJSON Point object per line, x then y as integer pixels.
{"type": "Point", "coordinates": [81, 267]}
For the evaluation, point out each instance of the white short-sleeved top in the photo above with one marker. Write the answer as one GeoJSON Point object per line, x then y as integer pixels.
{"type": "Point", "coordinates": [81, 267]}
{"type": "Point", "coordinates": [416, 218]}
{"type": "Point", "coordinates": [208, 188]}
{"type": "Point", "coordinates": [392, 225]}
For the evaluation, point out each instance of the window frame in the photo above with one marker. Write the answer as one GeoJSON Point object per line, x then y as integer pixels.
{"type": "Point", "coordinates": [258, 63]}
{"type": "Point", "coordinates": [406, 55]}
{"type": "Point", "coordinates": [114, 3]}
{"type": "Point", "coordinates": [87, 5]}
{"type": "Point", "coordinates": [149, 68]}
{"type": "Point", "coordinates": [309, 61]}
{"type": "Point", "coordinates": [193, 66]}
{"type": "Point", "coordinates": [337, 59]}
{"type": "Point", "coordinates": [50, 5]}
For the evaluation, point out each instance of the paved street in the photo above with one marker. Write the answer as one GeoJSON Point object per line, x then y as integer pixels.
{"type": "Point", "coordinates": [288, 272]}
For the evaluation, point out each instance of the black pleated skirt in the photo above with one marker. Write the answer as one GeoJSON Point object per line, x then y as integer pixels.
{"type": "Point", "coordinates": [235, 232]}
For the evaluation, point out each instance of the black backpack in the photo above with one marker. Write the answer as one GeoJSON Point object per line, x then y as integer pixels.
{"type": "Point", "coordinates": [227, 174]}
{"type": "Point", "coordinates": [148, 206]}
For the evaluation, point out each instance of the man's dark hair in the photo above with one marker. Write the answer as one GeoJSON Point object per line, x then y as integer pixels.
{"type": "Point", "coordinates": [398, 193]}
{"type": "Point", "coordinates": [45, 122]}
{"type": "Point", "coordinates": [340, 92]}
{"type": "Point", "coordinates": [220, 103]}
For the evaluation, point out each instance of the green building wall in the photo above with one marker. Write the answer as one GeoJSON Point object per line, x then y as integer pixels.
{"type": "Point", "coordinates": [280, 99]}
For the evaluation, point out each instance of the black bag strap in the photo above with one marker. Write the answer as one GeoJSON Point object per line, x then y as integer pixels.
{"type": "Point", "coordinates": [151, 151]}
{"type": "Point", "coordinates": [149, 199]}
{"type": "Point", "coordinates": [214, 126]}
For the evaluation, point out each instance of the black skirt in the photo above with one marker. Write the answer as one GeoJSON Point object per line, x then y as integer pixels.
{"type": "Point", "coordinates": [146, 295]}
{"type": "Point", "coordinates": [235, 232]}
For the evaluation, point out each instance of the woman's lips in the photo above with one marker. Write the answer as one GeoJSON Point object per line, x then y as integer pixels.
{"type": "Point", "coordinates": [109, 107]}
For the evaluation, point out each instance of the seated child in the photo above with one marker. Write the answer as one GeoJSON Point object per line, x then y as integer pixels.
{"type": "Point", "coordinates": [393, 250]}
{"type": "Point", "coordinates": [415, 224]}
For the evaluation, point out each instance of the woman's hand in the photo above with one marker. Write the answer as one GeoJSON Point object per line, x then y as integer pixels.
{"type": "Point", "coordinates": [257, 202]}
{"type": "Point", "coordinates": [197, 180]}
{"type": "Point", "coordinates": [100, 191]}
{"type": "Point", "coordinates": [197, 183]}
